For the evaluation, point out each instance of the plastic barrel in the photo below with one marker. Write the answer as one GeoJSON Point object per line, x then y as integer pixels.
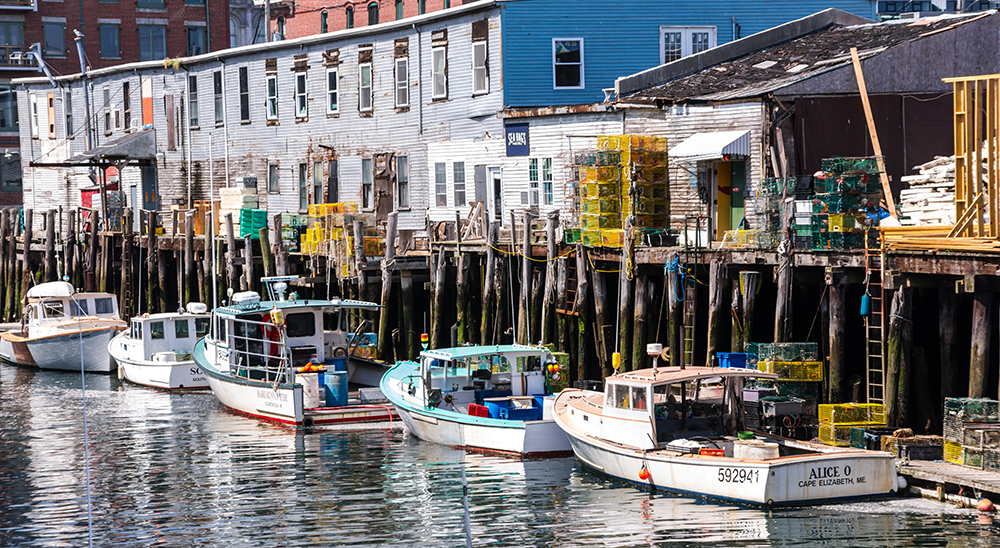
{"type": "Point", "coordinates": [335, 383]}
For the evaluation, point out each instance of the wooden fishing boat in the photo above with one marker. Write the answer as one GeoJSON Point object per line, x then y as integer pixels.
{"type": "Point", "coordinates": [156, 349]}
{"type": "Point", "coordinates": [60, 328]}
{"type": "Point", "coordinates": [490, 399]}
{"type": "Point", "coordinates": [651, 428]}
{"type": "Point", "coordinates": [271, 360]}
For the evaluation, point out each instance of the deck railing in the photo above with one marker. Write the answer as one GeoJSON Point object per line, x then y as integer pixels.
{"type": "Point", "coordinates": [16, 55]}
{"type": "Point", "coordinates": [258, 351]}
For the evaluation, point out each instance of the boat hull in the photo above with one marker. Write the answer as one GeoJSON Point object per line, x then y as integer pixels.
{"type": "Point", "coordinates": [63, 351]}
{"type": "Point", "coordinates": [182, 375]}
{"type": "Point", "coordinates": [524, 439]}
{"type": "Point", "coordinates": [282, 403]}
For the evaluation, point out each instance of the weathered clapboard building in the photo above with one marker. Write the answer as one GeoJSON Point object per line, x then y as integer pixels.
{"type": "Point", "coordinates": [400, 116]}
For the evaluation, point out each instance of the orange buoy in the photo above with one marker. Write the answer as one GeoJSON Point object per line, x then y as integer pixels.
{"type": "Point", "coordinates": [644, 472]}
{"type": "Point", "coordinates": [985, 505]}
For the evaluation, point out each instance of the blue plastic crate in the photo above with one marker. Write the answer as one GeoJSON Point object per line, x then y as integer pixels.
{"type": "Point", "coordinates": [734, 360]}
{"type": "Point", "coordinates": [520, 413]}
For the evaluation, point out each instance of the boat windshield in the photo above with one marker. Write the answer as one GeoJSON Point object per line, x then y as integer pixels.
{"type": "Point", "coordinates": [53, 309]}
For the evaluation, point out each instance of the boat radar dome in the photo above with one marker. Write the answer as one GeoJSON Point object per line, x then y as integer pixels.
{"type": "Point", "coordinates": [246, 297]}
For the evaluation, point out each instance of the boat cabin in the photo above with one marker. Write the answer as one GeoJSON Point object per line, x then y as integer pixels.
{"type": "Point", "coordinates": [503, 381]}
{"type": "Point", "coordinates": [168, 337]}
{"type": "Point", "coordinates": [53, 302]}
{"type": "Point", "coordinates": [660, 407]}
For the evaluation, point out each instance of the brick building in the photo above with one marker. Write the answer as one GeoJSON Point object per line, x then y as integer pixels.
{"type": "Point", "coordinates": [305, 17]}
{"type": "Point", "coordinates": [116, 32]}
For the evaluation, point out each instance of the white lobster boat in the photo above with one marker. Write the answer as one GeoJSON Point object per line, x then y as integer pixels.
{"type": "Point", "coordinates": [156, 349]}
{"type": "Point", "coordinates": [264, 359]}
{"type": "Point", "coordinates": [650, 428]}
{"type": "Point", "coordinates": [489, 399]}
{"type": "Point", "coordinates": [60, 328]}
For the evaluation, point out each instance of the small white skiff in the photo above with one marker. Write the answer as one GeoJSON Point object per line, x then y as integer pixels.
{"type": "Point", "coordinates": [156, 349]}
{"type": "Point", "coordinates": [60, 328]}
{"type": "Point", "coordinates": [642, 431]}
{"type": "Point", "coordinates": [491, 399]}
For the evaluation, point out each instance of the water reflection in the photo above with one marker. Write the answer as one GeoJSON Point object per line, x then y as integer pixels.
{"type": "Point", "coordinates": [178, 470]}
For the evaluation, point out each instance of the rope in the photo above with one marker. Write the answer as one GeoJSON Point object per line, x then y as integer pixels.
{"type": "Point", "coordinates": [567, 254]}
{"type": "Point", "coordinates": [592, 265]}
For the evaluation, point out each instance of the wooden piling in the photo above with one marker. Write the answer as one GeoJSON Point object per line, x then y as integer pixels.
{"type": "Point", "coordinates": [838, 338]}
{"type": "Point", "coordinates": [51, 273]}
{"type": "Point", "coordinates": [384, 329]}
{"type": "Point", "coordinates": [265, 251]}
{"type": "Point", "coordinates": [461, 279]}
{"type": "Point", "coordinates": [207, 295]}
{"type": "Point", "coordinates": [360, 261]}
{"type": "Point", "coordinates": [897, 355]}
{"type": "Point", "coordinates": [947, 336]}
{"type": "Point", "coordinates": [716, 288]}
{"type": "Point", "coordinates": [190, 279]}
{"type": "Point", "coordinates": [26, 269]}
{"type": "Point", "coordinates": [178, 262]}
{"type": "Point", "coordinates": [249, 278]}
{"type": "Point", "coordinates": [675, 322]}
{"type": "Point", "coordinates": [69, 247]}
{"type": "Point", "coordinates": [280, 257]}
{"type": "Point", "coordinates": [750, 284]}
{"type": "Point", "coordinates": [562, 315]}
{"type": "Point", "coordinates": [601, 326]}
{"type": "Point", "coordinates": [625, 302]}
{"type": "Point", "coordinates": [582, 285]}
{"type": "Point", "coordinates": [524, 314]}
{"type": "Point", "coordinates": [17, 269]}
{"type": "Point", "coordinates": [736, 311]}
{"type": "Point", "coordinates": [783, 305]}
{"type": "Point", "coordinates": [125, 302]}
{"type": "Point", "coordinates": [547, 323]}
{"type": "Point", "coordinates": [4, 236]}
{"type": "Point", "coordinates": [981, 334]}
{"type": "Point", "coordinates": [489, 306]}
{"type": "Point", "coordinates": [535, 308]}
{"type": "Point", "coordinates": [90, 281]}
{"type": "Point", "coordinates": [438, 337]}
{"type": "Point", "coordinates": [234, 280]}
{"type": "Point", "coordinates": [410, 320]}
{"type": "Point", "coordinates": [10, 278]}
{"type": "Point", "coordinates": [639, 322]}
{"type": "Point", "coordinates": [152, 268]}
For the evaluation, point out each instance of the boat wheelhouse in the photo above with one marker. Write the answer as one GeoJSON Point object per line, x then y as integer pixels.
{"type": "Point", "coordinates": [61, 328]}
{"type": "Point", "coordinates": [492, 399]}
{"type": "Point", "coordinates": [156, 349]}
{"type": "Point", "coordinates": [275, 360]}
{"type": "Point", "coordinates": [655, 428]}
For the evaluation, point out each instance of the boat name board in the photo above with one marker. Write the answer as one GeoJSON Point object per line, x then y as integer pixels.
{"type": "Point", "coordinates": [825, 476]}
{"type": "Point", "coordinates": [272, 398]}
{"type": "Point", "coordinates": [738, 475]}
{"type": "Point", "coordinates": [197, 375]}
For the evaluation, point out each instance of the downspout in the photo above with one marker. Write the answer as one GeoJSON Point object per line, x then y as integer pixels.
{"type": "Point", "coordinates": [420, 89]}
{"type": "Point", "coordinates": [86, 89]}
{"type": "Point", "coordinates": [208, 31]}
{"type": "Point", "coordinates": [186, 120]}
{"type": "Point", "coordinates": [225, 120]}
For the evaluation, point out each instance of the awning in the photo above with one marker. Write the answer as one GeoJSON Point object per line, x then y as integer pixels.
{"type": "Point", "coordinates": [140, 145]}
{"type": "Point", "coordinates": [711, 146]}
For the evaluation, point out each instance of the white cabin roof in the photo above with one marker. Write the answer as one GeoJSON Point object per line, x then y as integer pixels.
{"type": "Point", "coordinates": [51, 289]}
{"type": "Point", "coordinates": [671, 375]}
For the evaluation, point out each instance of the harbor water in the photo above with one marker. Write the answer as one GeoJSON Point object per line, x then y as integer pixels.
{"type": "Point", "coordinates": [178, 470]}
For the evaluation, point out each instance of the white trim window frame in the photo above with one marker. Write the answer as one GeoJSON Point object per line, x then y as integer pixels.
{"type": "Point", "coordinates": [439, 72]}
{"type": "Point", "coordinates": [367, 184]}
{"type": "Point", "coordinates": [678, 41]}
{"type": "Point", "coordinates": [366, 89]}
{"type": "Point", "coordinates": [332, 91]}
{"type": "Point", "coordinates": [533, 178]}
{"type": "Point", "coordinates": [568, 53]}
{"type": "Point", "coordinates": [480, 73]}
{"type": "Point", "coordinates": [402, 82]}
{"type": "Point", "coordinates": [440, 184]}
{"type": "Point", "coordinates": [301, 96]}
{"type": "Point", "coordinates": [402, 183]}
{"type": "Point", "coordinates": [272, 96]}
{"type": "Point", "coordinates": [547, 198]}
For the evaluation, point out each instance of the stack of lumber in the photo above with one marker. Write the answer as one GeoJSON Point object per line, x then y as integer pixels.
{"type": "Point", "coordinates": [930, 200]}
{"type": "Point", "coordinates": [934, 238]}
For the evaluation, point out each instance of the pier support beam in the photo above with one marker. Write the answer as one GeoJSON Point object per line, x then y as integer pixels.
{"type": "Point", "coordinates": [838, 328]}
{"type": "Point", "coordinates": [982, 331]}
{"type": "Point", "coordinates": [410, 327]}
{"type": "Point", "coordinates": [231, 253]}
{"type": "Point", "coordinates": [489, 306]}
{"type": "Point", "coordinates": [674, 319]}
{"type": "Point", "coordinates": [749, 285]}
{"type": "Point", "coordinates": [948, 341]}
{"type": "Point", "coordinates": [716, 291]}
{"type": "Point", "coordinates": [51, 274]}
{"type": "Point", "coordinates": [625, 302]}
{"type": "Point", "coordinates": [549, 295]}
{"type": "Point", "coordinates": [523, 317]}
{"type": "Point", "coordinates": [601, 327]}
{"type": "Point", "coordinates": [642, 294]}
{"type": "Point", "coordinates": [783, 305]}
{"type": "Point", "coordinates": [582, 285]}
{"type": "Point", "coordinates": [384, 341]}
{"type": "Point", "coordinates": [440, 270]}
{"type": "Point", "coordinates": [898, 341]}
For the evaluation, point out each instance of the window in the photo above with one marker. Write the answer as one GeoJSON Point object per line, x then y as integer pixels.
{"type": "Point", "coordinates": [234, 33]}
{"type": "Point", "coordinates": [447, 4]}
{"type": "Point", "coordinates": [317, 182]}
{"type": "Point", "coordinates": [151, 4]}
{"type": "Point", "coordinates": [533, 181]}
{"type": "Point", "coordinates": [68, 109]}
{"type": "Point", "coordinates": [567, 63]}
{"type": "Point", "coordinates": [281, 28]}
{"type": "Point", "coordinates": [33, 110]}
{"type": "Point", "coordinates": [54, 35]}
{"type": "Point", "coordinates": [480, 76]}
{"type": "Point", "coordinates": [11, 34]}
{"type": "Point", "coordinates": [302, 324]}
{"type": "Point", "coordinates": [332, 182]}
{"type": "Point", "coordinates": [301, 100]}
{"type": "Point", "coordinates": [244, 94]}
{"type": "Point", "coordinates": [440, 184]}
{"type": "Point", "coordinates": [367, 186]}
{"type": "Point", "coordinates": [196, 40]}
{"type": "Point", "coordinates": [220, 114]}
{"type": "Point", "coordinates": [201, 327]}
{"type": "Point", "coordinates": [78, 307]}
{"type": "Point", "coordinates": [273, 175]}
{"type": "Point", "coordinates": [103, 306]}
{"type": "Point", "coordinates": [107, 110]}
{"type": "Point", "coordinates": [323, 25]}
{"type": "Point", "coordinates": [638, 397]}
{"type": "Point", "coordinates": [152, 42]}
{"type": "Point", "coordinates": [156, 330]}
{"type": "Point", "coordinates": [547, 180]}
{"type": "Point", "coordinates": [110, 42]}
{"type": "Point", "coordinates": [8, 108]}
{"type": "Point", "coordinates": [127, 104]}
{"type": "Point", "coordinates": [136, 330]}
{"type": "Point", "coordinates": [439, 72]}
{"type": "Point", "coordinates": [180, 329]}
{"type": "Point", "coordinates": [193, 101]}
{"type": "Point", "coordinates": [349, 16]}
{"type": "Point", "coordinates": [365, 88]}
{"type": "Point", "coordinates": [421, 7]}
{"type": "Point", "coordinates": [399, 9]}
{"type": "Point", "coordinates": [678, 42]}
{"type": "Point", "coordinates": [402, 82]}
{"type": "Point", "coordinates": [303, 186]}
{"type": "Point", "coordinates": [373, 13]}
{"type": "Point", "coordinates": [332, 100]}
{"type": "Point", "coordinates": [272, 97]}
{"type": "Point", "coordinates": [459, 182]}
{"type": "Point", "coordinates": [402, 182]}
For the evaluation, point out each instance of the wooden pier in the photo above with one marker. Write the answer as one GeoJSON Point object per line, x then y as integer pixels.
{"type": "Point", "coordinates": [952, 482]}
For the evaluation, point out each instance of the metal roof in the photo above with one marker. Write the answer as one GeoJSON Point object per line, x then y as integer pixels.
{"type": "Point", "coordinates": [140, 145]}
{"type": "Point", "coordinates": [711, 146]}
{"type": "Point", "coordinates": [461, 352]}
{"type": "Point", "coordinates": [671, 375]}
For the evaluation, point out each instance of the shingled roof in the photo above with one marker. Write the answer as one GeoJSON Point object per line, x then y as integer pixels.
{"type": "Point", "coordinates": [769, 69]}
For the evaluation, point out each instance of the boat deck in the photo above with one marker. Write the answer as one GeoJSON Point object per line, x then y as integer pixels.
{"type": "Point", "coordinates": [947, 474]}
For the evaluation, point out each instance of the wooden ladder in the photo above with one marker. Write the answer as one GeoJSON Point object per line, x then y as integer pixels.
{"type": "Point", "coordinates": [875, 320]}
{"type": "Point", "coordinates": [569, 306]}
